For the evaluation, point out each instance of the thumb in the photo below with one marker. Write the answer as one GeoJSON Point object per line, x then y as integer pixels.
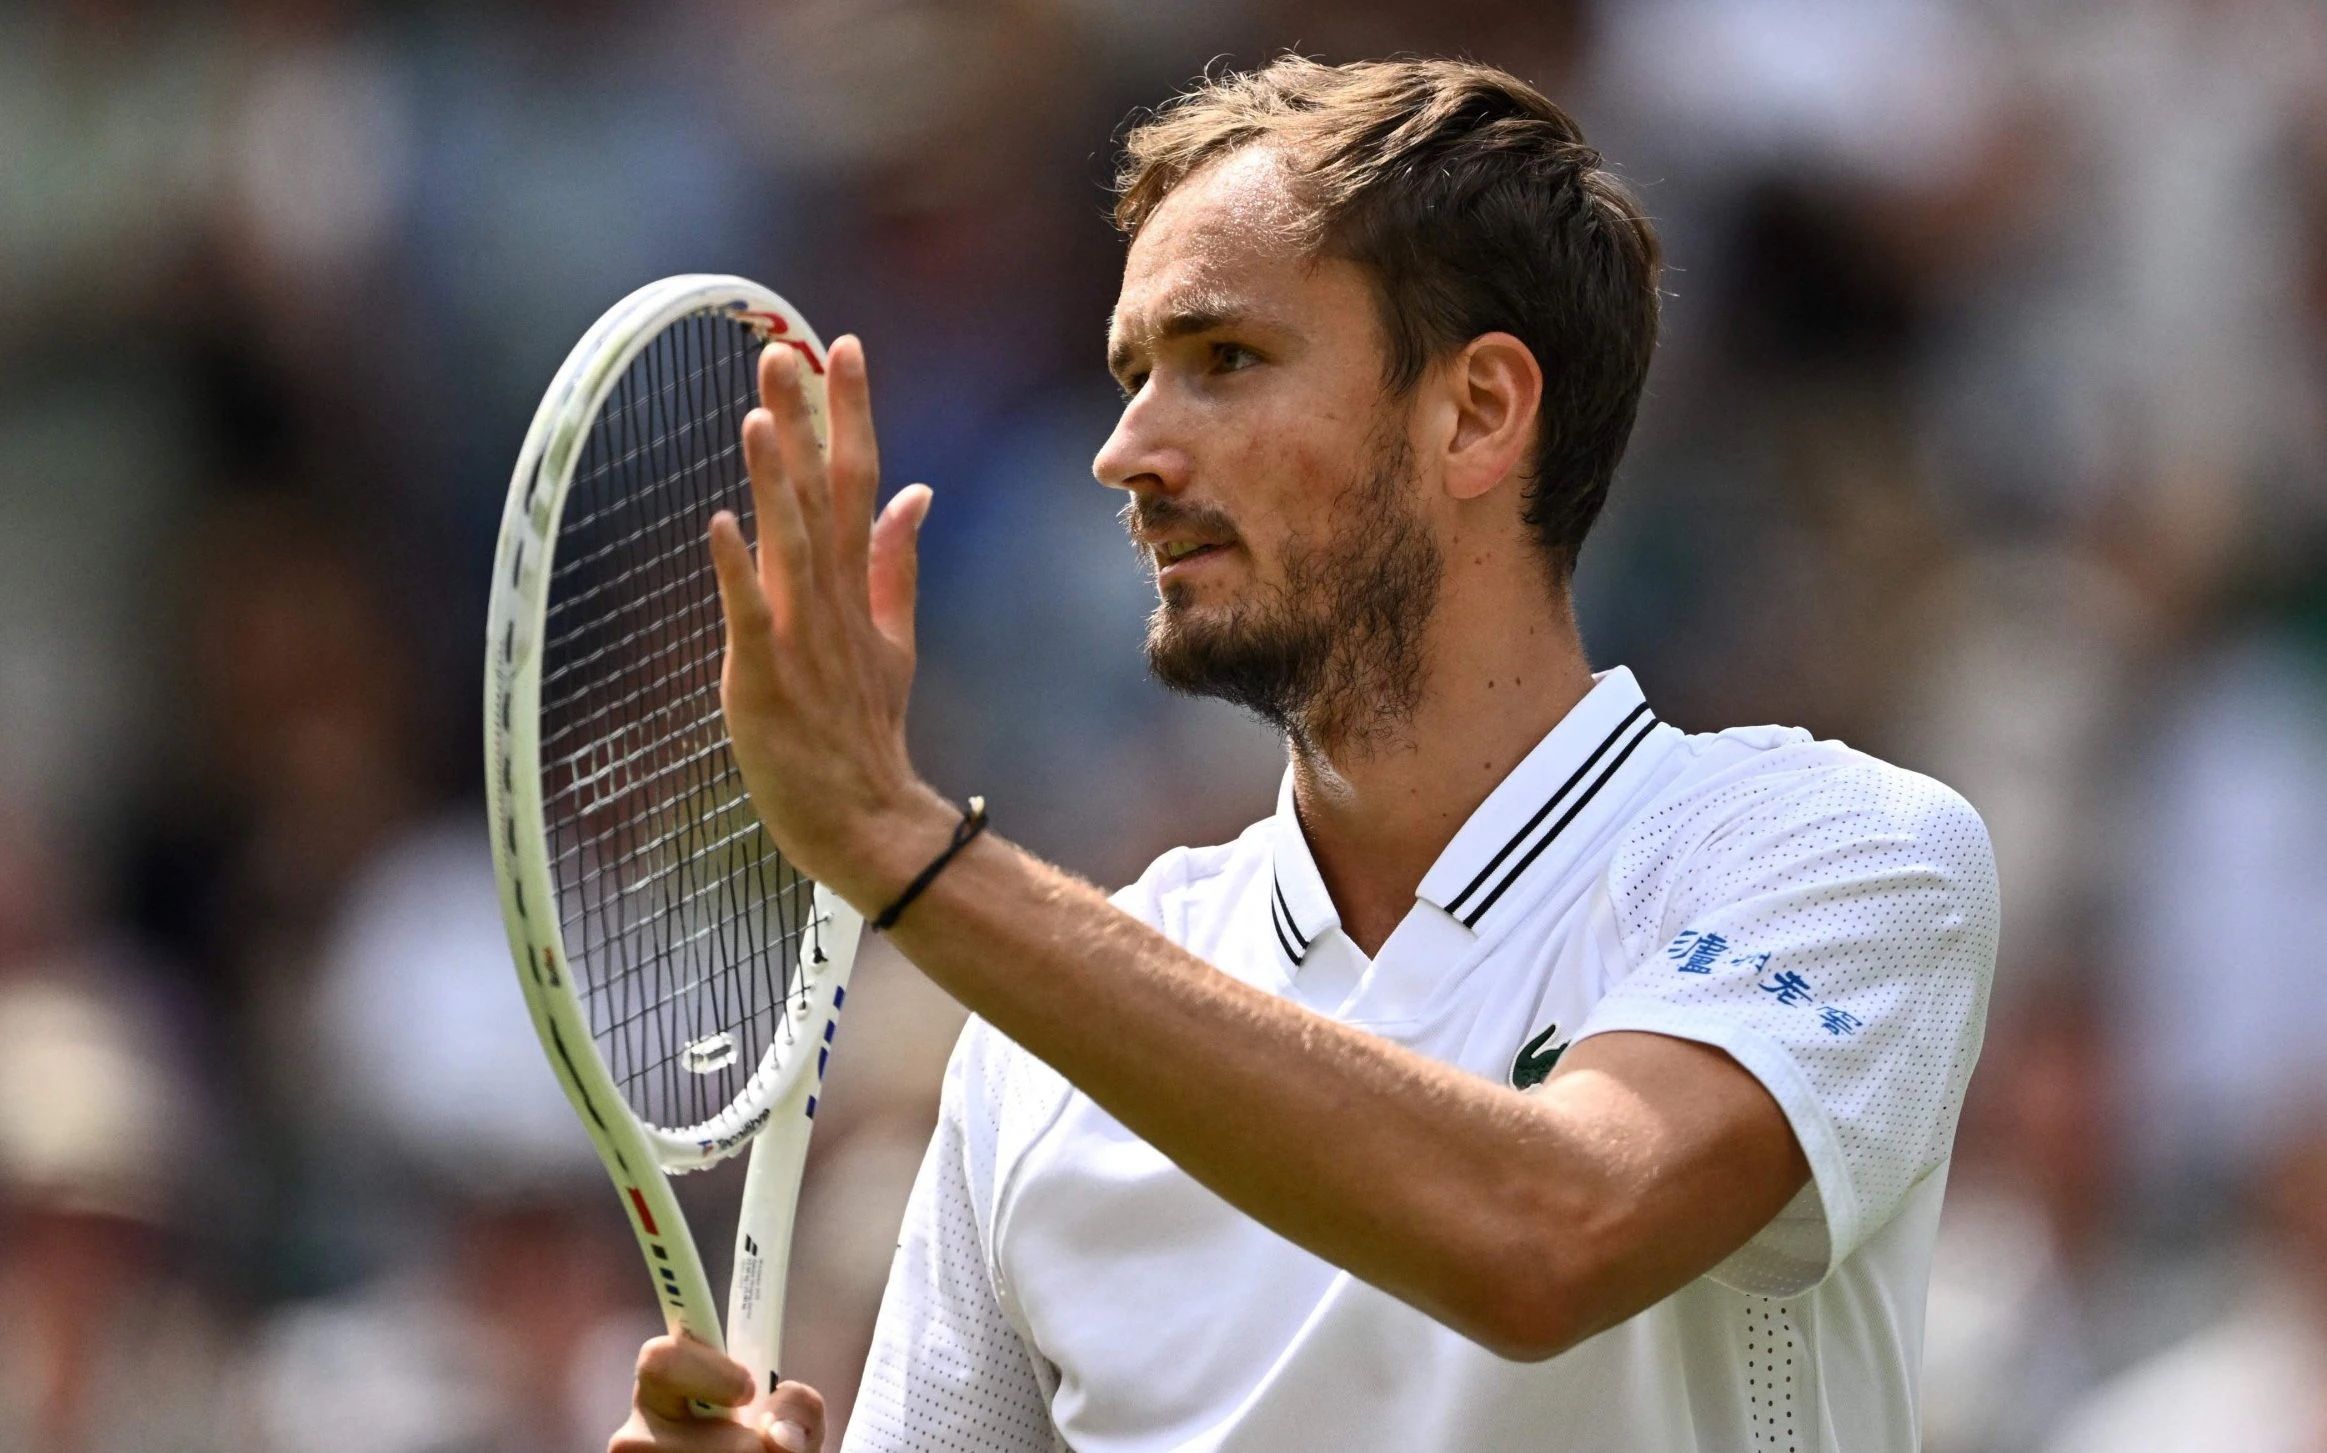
{"type": "Point", "coordinates": [793, 1420]}
{"type": "Point", "coordinates": [895, 563]}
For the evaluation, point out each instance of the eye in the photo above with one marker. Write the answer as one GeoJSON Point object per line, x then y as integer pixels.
{"type": "Point", "coordinates": [1232, 357]}
{"type": "Point", "coordinates": [1130, 384]}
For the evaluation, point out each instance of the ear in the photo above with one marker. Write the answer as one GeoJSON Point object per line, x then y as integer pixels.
{"type": "Point", "coordinates": [1494, 387]}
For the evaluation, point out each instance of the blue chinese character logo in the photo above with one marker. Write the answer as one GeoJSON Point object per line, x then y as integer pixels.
{"type": "Point", "coordinates": [1790, 987]}
{"type": "Point", "coordinates": [1836, 1021]}
{"type": "Point", "coordinates": [1696, 953]}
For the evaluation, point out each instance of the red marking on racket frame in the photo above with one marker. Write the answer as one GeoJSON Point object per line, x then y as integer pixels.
{"type": "Point", "coordinates": [645, 1217]}
{"type": "Point", "coordinates": [814, 363]}
{"type": "Point", "coordinates": [775, 325]}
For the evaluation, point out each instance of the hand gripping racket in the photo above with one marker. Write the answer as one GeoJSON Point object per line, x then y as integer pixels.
{"type": "Point", "coordinates": [685, 980]}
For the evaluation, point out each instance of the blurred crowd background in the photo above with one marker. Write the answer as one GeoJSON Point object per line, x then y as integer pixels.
{"type": "Point", "coordinates": [1989, 433]}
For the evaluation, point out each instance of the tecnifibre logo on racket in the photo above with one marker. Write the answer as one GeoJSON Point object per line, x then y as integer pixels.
{"type": "Point", "coordinates": [750, 1128]}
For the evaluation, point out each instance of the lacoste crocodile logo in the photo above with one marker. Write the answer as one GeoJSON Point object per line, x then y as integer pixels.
{"type": "Point", "coordinates": [1536, 1057]}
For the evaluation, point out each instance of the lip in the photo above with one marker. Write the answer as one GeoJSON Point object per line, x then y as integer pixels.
{"type": "Point", "coordinates": [1187, 566]}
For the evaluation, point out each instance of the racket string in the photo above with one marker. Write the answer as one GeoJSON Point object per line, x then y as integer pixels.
{"type": "Point", "coordinates": [728, 447]}
{"type": "Point", "coordinates": [646, 629]}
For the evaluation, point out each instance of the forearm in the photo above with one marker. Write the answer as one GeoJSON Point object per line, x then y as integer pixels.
{"type": "Point", "coordinates": [1424, 1181]}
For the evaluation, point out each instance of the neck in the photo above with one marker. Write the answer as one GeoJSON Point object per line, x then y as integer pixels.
{"type": "Point", "coordinates": [1378, 813]}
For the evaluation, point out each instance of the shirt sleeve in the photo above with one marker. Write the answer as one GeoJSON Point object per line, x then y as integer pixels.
{"type": "Point", "coordinates": [947, 1369]}
{"type": "Point", "coordinates": [1834, 931]}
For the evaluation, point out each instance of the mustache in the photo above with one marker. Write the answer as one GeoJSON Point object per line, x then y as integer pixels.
{"type": "Point", "coordinates": [1155, 514]}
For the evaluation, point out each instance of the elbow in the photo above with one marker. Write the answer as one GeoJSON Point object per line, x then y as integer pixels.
{"type": "Point", "coordinates": [1525, 1301]}
{"type": "Point", "coordinates": [1525, 1328]}
{"type": "Point", "coordinates": [1542, 1284]}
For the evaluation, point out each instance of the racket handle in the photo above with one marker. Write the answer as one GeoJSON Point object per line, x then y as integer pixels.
{"type": "Point", "coordinates": [680, 1324]}
{"type": "Point", "coordinates": [763, 1238]}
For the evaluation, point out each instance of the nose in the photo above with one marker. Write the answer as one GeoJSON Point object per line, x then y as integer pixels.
{"type": "Point", "coordinates": [1145, 454]}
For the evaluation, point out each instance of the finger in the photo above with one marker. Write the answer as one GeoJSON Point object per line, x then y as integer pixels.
{"type": "Point", "coordinates": [794, 1419]}
{"type": "Point", "coordinates": [855, 456]}
{"type": "Point", "coordinates": [674, 1373]}
{"type": "Point", "coordinates": [743, 602]}
{"type": "Point", "coordinates": [646, 1433]}
{"type": "Point", "coordinates": [786, 565]}
{"type": "Point", "coordinates": [894, 572]}
{"type": "Point", "coordinates": [783, 393]}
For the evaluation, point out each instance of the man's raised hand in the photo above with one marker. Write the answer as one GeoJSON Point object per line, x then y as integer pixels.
{"type": "Point", "coordinates": [819, 623]}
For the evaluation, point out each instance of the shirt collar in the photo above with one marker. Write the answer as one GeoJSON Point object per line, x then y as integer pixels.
{"type": "Point", "coordinates": [1548, 804]}
{"type": "Point", "coordinates": [1300, 909]}
{"type": "Point", "coordinates": [1547, 807]}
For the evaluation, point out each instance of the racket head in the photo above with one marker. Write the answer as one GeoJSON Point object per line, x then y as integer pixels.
{"type": "Point", "coordinates": [681, 975]}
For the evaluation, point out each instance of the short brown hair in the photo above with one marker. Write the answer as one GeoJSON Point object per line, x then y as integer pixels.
{"type": "Point", "coordinates": [1477, 208]}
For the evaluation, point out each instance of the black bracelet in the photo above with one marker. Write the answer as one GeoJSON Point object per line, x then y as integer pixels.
{"type": "Point", "coordinates": [973, 822]}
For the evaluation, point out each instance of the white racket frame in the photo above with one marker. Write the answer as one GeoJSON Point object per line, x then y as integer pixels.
{"type": "Point", "coordinates": [776, 1109]}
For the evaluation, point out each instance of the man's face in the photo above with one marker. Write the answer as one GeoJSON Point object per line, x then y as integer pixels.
{"type": "Point", "coordinates": [1273, 490]}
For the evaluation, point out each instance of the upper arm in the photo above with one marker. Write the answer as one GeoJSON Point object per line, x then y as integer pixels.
{"type": "Point", "coordinates": [1692, 1157]}
{"type": "Point", "coordinates": [1834, 943]}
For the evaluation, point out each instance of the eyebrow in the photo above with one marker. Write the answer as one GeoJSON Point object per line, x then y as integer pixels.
{"type": "Point", "coordinates": [1197, 313]}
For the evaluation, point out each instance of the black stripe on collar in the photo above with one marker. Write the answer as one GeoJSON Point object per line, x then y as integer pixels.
{"type": "Point", "coordinates": [1470, 916]}
{"type": "Point", "coordinates": [1289, 936]}
{"type": "Point", "coordinates": [1284, 943]}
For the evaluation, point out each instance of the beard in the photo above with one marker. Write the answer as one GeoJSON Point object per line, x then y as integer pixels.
{"type": "Point", "coordinates": [1333, 655]}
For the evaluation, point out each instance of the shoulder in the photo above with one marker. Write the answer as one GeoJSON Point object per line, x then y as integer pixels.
{"type": "Point", "coordinates": [1740, 787]}
{"type": "Point", "coordinates": [1772, 804]}
{"type": "Point", "coordinates": [1777, 774]}
{"type": "Point", "coordinates": [1186, 880]}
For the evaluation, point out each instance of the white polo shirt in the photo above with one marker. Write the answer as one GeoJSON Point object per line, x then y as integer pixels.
{"type": "Point", "coordinates": [1825, 918]}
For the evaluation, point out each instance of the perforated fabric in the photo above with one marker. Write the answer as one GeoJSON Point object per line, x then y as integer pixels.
{"type": "Point", "coordinates": [949, 1372]}
{"type": "Point", "coordinates": [1830, 921]}
{"type": "Point", "coordinates": [1775, 1371]}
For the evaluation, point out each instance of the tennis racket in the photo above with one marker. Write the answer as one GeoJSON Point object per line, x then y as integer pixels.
{"type": "Point", "coordinates": [686, 981]}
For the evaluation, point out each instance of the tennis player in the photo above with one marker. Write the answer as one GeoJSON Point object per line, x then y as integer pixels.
{"type": "Point", "coordinates": [1538, 1075]}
